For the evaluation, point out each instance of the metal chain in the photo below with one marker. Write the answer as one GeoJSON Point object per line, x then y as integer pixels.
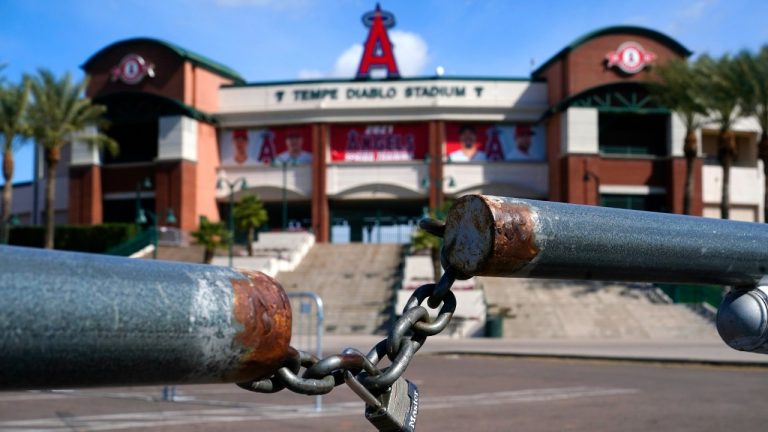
{"type": "Point", "coordinates": [406, 337]}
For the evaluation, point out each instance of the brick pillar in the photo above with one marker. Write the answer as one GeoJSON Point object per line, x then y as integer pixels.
{"type": "Point", "coordinates": [85, 201]}
{"type": "Point", "coordinates": [581, 179]}
{"type": "Point", "coordinates": [320, 213]}
{"type": "Point", "coordinates": [435, 152]}
{"type": "Point", "coordinates": [175, 188]}
{"type": "Point", "coordinates": [556, 165]}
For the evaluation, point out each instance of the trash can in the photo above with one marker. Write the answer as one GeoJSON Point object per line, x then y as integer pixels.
{"type": "Point", "coordinates": [494, 325]}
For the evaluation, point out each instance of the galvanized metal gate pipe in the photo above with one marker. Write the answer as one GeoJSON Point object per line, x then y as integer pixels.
{"type": "Point", "coordinates": [74, 320]}
{"type": "Point", "coordinates": [496, 236]}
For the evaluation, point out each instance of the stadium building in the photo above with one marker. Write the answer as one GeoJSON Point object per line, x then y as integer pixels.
{"type": "Point", "coordinates": [361, 159]}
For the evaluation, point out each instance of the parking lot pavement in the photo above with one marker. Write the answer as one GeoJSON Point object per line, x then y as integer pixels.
{"type": "Point", "coordinates": [710, 350]}
{"type": "Point", "coordinates": [457, 392]}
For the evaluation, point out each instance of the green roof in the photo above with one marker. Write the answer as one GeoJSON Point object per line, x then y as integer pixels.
{"type": "Point", "coordinates": [187, 55]}
{"type": "Point", "coordinates": [384, 80]}
{"type": "Point", "coordinates": [144, 106]}
{"type": "Point", "coordinates": [647, 105]}
{"type": "Point", "coordinates": [633, 30]}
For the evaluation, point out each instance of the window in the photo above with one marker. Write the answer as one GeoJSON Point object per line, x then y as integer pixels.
{"type": "Point", "coordinates": [654, 202]}
{"type": "Point", "coordinates": [124, 210]}
{"type": "Point", "coordinates": [137, 142]}
{"type": "Point", "coordinates": [746, 148]}
{"type": "Point", "coordinates": [633, 134]}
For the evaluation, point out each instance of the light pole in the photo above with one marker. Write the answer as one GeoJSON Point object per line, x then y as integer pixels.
{"type": "Point", "coordinates": [284, 163]}
{"type": "Point", "coordinates": [141, 219]}
{"type": "Point", "coordinates": [231, 220]}
{"type": "Point", "coordinates": [426, 181]}
{"type": "Point", "coordinates": [142, 184]}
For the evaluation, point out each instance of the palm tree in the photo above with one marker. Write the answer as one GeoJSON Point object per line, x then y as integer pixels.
{"type": "Point", "coordinates": [755, 102]}
{"type": "Point", "coordinates": [678, 86]}
{"type": "Point", "coordinates": [13, 107]}
{"type": "Point", "coordinates": [211, 235]}
{"type": "Point", "coordinates": [249, 215]}
{"type": "Point", "coordinates": [721, 96]}
{"type": "Point", "coordinates": [58, 114]}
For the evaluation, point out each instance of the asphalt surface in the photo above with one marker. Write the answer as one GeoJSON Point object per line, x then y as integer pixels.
{"type": "Point", "coordinates": [458, 393]}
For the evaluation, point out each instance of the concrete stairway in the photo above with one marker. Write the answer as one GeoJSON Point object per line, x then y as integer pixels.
{"type": "Point", "coordinates": [590, 310]}
{"type": "Point", "coordinates": [355, 282]}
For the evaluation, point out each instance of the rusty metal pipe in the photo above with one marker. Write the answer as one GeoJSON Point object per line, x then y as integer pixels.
{"type": "Point", "coordinates": [76, 320]}
{"type": "Point", "coordinates": [495, 236]}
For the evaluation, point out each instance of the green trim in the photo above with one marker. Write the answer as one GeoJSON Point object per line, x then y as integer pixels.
{"type": "Point", "coordinates": [679, 293]}
{"type": "Point", "coordinates": [635, 110]}
{"type": "Point", "coordinates": [612, 97]}
{"type": "Point", "coordinates": [133, 245]}
{"type": "Point", "coordinates": [190, 56]}
{"type": "Point", "coordinates": [388, 80]}
{"type": "Point", "coordinates": [181, 108]}
{"type": "Point", "coordinates": [633, 30]}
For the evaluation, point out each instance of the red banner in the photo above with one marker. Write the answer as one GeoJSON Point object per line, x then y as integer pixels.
{"type": "Point", "coordinates": [484, 142]}
{"type": "Point", "coordinates": [380, 142]}
{"type": "Point", "coordinates": [262, 146]}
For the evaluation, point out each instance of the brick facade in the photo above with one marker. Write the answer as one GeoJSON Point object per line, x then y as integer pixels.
{"type": "Point", "coordinates": [577, 178]}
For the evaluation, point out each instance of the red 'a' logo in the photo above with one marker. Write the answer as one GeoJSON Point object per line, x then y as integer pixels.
{"type": "Point", "coordinates": [378, 52]}
{"type": "Point", "coordinates": [267, 150]}
{"type": "Point", "coordinates": [493, 149]}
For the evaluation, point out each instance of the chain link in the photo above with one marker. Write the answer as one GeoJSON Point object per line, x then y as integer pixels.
{"type": "Point", "coordinates": [407, 336]}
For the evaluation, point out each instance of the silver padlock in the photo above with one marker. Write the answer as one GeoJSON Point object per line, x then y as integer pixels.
{"type": "Point", "coordinates": [394, 410]}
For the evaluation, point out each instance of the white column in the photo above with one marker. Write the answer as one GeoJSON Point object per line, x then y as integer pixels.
{"type": "Point", "coordinates": [676, 136]}
{"type": "Point", "coordinates": [84, 153]}
{"type": "Point", "coordinates": [177, 138]}
{"type": "Point", "coordinates": [579, 131]}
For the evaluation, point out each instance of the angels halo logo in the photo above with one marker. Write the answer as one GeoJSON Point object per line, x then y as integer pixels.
{"type": "Point", "coordinates": [378, 50]}
{"type": "Point", "coordinates": [630, 57]}
{"type": "Point", "coordinates": [132, 69]}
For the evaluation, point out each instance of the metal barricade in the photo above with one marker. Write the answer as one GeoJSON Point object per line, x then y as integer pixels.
{"type": "Point", "coordinates": [307, 333]}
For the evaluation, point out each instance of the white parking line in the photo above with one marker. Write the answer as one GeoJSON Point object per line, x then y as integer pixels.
{"type": "Point", "coordinates": [285, 412]}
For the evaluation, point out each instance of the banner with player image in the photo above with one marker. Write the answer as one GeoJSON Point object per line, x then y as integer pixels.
{"type": "Point", "coordinates": [482, 142]}
{"type": "Point", "coordinates": [262, 146]}
{"type": "Point", "coordinates": [379, 142]}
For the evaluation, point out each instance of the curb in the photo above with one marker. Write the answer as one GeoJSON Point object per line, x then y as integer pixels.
{"type": "Point", "coordinates": [606, 358]}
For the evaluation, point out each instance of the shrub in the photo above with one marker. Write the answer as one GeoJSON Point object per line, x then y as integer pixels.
{"type": "Point", "coordinates": [81, 238]}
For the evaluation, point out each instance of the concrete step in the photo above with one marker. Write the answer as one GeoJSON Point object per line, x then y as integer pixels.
{"type": "Point", "coordinates": [355, 281]}
{"type": "Point", "coordinates": [190, 253]}
{"type": "Point", "coordinates": [578, 310]}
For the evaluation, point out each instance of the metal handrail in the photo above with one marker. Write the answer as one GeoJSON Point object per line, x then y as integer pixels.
{"type": "Point", "coordinates": [319, 328]}
{"type": "Point", "coordinates": [133, 245]}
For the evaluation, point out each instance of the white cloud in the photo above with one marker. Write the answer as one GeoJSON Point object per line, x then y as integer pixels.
{"type": "Point", "coordinates": [346, 64]}
{"type": "Point", "coordinates": [411, 55]}
{"type": "Point", "coordinates": [411, 52]}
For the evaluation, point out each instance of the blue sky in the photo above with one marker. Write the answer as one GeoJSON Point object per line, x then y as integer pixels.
{"type": "Point", "coordinates": [268, 40]}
